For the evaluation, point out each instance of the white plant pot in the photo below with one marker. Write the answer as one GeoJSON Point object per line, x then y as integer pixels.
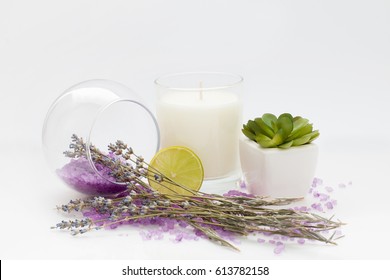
{"type": "Point", "coordinates": [278, 172]}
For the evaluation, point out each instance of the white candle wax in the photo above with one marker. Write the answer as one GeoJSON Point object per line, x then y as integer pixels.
{"type": "Point", "coordinates": [207, 122]}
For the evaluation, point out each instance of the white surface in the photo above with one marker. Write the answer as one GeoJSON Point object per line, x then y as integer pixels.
{"type": "Point", "coordinates": [326, 60]}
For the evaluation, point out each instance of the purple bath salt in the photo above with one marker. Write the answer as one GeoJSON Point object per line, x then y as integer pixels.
{"type": "Point", "coordinates": [329, 205]}
{"type": "Point", "coordinates": [316, 194]}
{"type": "Point", "coordinates": [329, 189]}
{"type": "Point", "coordinates": [316, 182]}
{"type": "Point", "coordinates": [317, 206]}
{"type": "Point", "coordinates": [233, 193]}
{"type": "Point", "coordinates": [323, 197]}
{"type": "Point", "coordinates": [242, 184]}
{"type": "Point", "coordinates": [342, 185]}
{"type": "Point", "coordinates": [79, 174]}
{"type": "Point", "coordinates": [279, 248]}
{"type": "Point", "coordinates": [179, 237]}
{"type": "Point", "coordinates": [301, 241]}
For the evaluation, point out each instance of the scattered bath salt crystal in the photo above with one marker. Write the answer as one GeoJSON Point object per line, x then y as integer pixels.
{"type": "Point", "coordinates": [165, 229]}
{"type": "Point", "coordinates": [114, 226]}
{"type": "Point", "coordinates": [158, 237]}
{"type": "Point", "coordinates": [316, 194]}
{"type": "Point", "coordinates": [317, 206]}
{"type": "Point", "coordinates": [242, 184]}
{"type": "Point", "coordinates": [310, 190]}
{"type": "Point", "coordinates": [323, 197]}
{"type": "Point", "coordinates": [329, 205]}
{"type": "Point", "coordinates": [146, 235]}
{"type": "Point", "coordinates": [183, 224]}
{"type": "Point", "coordinates": [329, 189]}
{"type": "Point", "coordinates": [188, 236]}
{"type": "Point", "coordinates": [350, 183]}
{"type": "Point", "coordinates": [276, 237]}
{"type": "Point", "coordinates": [301, 241]}
{"type": "Point", "coordinates": [342, 185]}
{"type": "Point", "coordinates": [316, 182]}
{"type": "Point", "coordinates": [179, 237]}
{"type": "Point", "coordinates": [260, 240]}
{"type": "Point", "coordinates": [271, 241]}
{"type": "Point", "coordinates": [279, 248]}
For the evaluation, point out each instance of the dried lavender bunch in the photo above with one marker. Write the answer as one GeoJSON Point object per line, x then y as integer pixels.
{"type": "Point", "coordinates": [236, 213]}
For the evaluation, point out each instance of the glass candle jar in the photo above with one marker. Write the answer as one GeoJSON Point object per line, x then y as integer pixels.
{"type": "Point", "coordinates": [202, 111]}
{"type": "Point", "coordinates": [98, 112]}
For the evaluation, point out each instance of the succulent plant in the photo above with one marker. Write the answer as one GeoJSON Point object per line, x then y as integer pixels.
{"type": "Point", "coordinates": [283, 132]}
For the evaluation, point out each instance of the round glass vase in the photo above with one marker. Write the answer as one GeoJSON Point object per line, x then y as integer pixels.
{"type": "Point", "coordinates": [203, 111]}
{"type": "Point", "coordinates": [91, 115]}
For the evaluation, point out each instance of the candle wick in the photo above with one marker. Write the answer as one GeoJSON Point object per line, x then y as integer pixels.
{"type": "Point", "coordinates": [201, 90]}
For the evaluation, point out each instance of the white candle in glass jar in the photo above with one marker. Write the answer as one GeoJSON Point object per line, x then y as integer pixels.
{"type": "Point", "coordinates": [208, 122]}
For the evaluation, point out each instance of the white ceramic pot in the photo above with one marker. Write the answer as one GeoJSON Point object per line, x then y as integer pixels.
{"type": "Point", "coordinates": [278, 172]}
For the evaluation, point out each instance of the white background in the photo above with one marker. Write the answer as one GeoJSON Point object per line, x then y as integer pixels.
{"type": "Point", "coordinates": [326, 60]}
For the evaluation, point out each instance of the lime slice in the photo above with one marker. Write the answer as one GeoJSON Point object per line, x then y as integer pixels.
{"type": "Point", "coordinates": [179, 164]}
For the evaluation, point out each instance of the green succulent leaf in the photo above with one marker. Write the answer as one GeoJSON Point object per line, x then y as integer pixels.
{"type": "Point", "coordinates": [263, 137]}
{"type": "Point", "coordinates": [286, 125]}
{"type": "Point", "coordinates": [286, 145]}
{"type": "Point", "coordinates": [275, 127]}
{"type": "Point", "coordinates": [267, 142]}
{"type": "Point", "coordinates": [278, 138]}
{"type": "Point", "coordinates": [300, 132]}
{"type": "Point", "coordinates": [298, 123]}
{"type": "Point", "coordinates": [287, 115]}
{"type": "Point", "coordinates": [264, 141]}
{"type": "Point", "coordinates": [301, 141]}
{"type": "Point", "coordinates": [314, 135]}
{"type": "Point", "coordinates": [265, 128]}
{"type": "Point", "coordinates": [249, 134]}
{"type": "Point", "coordinates": [269, 119]}
{"type": "Point", "coordinates": [255, 129]}
{"type": "Point", "coordinates": [297, 118]}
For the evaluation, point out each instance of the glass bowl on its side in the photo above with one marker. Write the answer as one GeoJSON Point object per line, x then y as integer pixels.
{"type": "Point", "coordinates": [99, 112]}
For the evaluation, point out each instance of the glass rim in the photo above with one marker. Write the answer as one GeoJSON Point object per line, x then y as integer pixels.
{"type": "Point", "coordinates": [239, 80]}
{"type": "Point", "coordinates": [96, 118]}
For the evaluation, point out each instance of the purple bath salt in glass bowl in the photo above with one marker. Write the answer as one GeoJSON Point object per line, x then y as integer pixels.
{"type": "Point", "coordinates": [100, 112]}
{"type": "Point", "coordinates": [79, 174]}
